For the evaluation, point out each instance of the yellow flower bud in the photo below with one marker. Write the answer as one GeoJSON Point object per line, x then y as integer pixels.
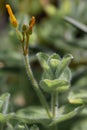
{"type": "Point", "coordinates": [13, 20]}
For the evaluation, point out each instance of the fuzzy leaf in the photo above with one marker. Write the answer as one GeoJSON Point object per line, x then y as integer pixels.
{"type": "Point", "coordinates": [53, 61]}
{"type": "Point", "coordinates": [63, 64]}
{"type": "Point", "coordinates": [65, 117]}
{"type": "Point", "coordinates": [54, 85]}
{"type": "Point", "coordinates": [54, 56]}
{"type": "Point", "coordinates": [42, 57]}
{"type": "Point", "coordinates": [66, 75]}
{"type": "Point", "coordinates": [33, 114]}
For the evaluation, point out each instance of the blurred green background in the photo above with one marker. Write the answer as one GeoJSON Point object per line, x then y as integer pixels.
{"type": "Point", "coordinates": [51, 34]}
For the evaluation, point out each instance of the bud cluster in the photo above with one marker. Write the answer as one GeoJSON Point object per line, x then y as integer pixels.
{"type": "Point", "coordinates": [26, 29]}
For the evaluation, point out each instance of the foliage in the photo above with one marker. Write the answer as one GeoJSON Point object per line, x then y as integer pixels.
{"type": "Point", "coordinates": [59, 43]}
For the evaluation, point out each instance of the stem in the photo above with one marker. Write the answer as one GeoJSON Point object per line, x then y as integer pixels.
{"type": "Point", "coordinates": [23, 40]}
{"type": "Point", "coordinates": [35, 85]}
{"type": "Point", "coordinates": [54, 103]}
{"type": "Point", "coordinates": [27, 40]}
{"type": "Point", "coordinates": [54, 107]}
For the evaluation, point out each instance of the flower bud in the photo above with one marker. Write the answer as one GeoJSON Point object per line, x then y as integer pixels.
{"type": "Point", "coordinates": [13, 19]}
{"type": "Point", "coordinates": [31, 24]}
{"type": "Point", "coordinates": [24, 28]}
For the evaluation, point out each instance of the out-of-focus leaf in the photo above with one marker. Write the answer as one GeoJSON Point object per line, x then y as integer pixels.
{"type": "Point", "coordinates": [80, 125]}
{"type": "Point", "coordinates": [4, 102]}
{"type": "Point", "coordinates": [50, 9]}
{"type": "Point", "coordinates": [77, 24]}
{"type": "Point", "coordinates": [34, 127]}
{"type": "Point", "coordinates": [79, 97]}
{"type": "Point", "coordinates": [78, 75]}
{"type": "Point", "coordinates": [65, 7]}
{"type": "Point", "coordinates": [6, 117]}
{"type": "Point", "coordinates": [21, 127]}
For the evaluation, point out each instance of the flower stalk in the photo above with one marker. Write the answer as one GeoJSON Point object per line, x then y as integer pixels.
{"type": "Point", "coordinates": [24, 39]}
{"type": "Point", "coordinates": [35, 85]}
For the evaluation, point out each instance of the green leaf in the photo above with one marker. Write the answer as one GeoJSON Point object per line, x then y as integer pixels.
{"type": "Point", "coordinates": [33, 114]}
{"type": "Point", "coordinates": [6, 117]}
{"type": "Point", "coordinates": [4, 102]}
{"type": "Point", "coordinates": [63, 64]}
{"type": "Point", "coordinates": [51, 86]}
{"type": "Point", "coordinates": [42, 57]}
{"type": "Point", "coordinates": [65, 117]}
{"type": "Point", "coordinates": [54, 56]}
{"type": "Point", "coordinates": [77, 24]}
{"type": "Point", "coordinates": [66, 75]}
{"type": "Point", "coordinates": [2, 118]}
{"type": "Point", "coordinates": [21, 127]}
{"type": "Point", "coordinates": [46, 75]}
{"type": "Point", "coordinates": [80, 124]}
{"type": "Point", "coordinates": [9, 126]}
{"type": "Point", "coordinates": [53, 61]}
{"type": "Point", "coordinates": [78, 97]}
{"type": "Point", "coordinates": [50, 9]}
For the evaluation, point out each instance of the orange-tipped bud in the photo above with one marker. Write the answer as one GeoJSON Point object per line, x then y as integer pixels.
{"type": "Point", "coordinates": [32, 22]}
{"type": "Point", "coordinates": [13, 20]}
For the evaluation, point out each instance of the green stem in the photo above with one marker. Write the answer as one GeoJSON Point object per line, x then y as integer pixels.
{"type": "Point", "coordinates": [54, 107]}
{"type": "Point", "coordinates": [35, 85]}
{"type": "Point", "coordinates": [54, 104]}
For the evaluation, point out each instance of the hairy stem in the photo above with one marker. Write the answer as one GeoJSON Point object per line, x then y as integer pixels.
{"type": "Point", "coordinates": [35, 85]}
{"type": "Point", "coordinates": [54, 103]}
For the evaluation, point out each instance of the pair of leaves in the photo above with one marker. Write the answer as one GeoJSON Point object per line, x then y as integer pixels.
{"type": "Point", "coordinates": [54, 85]}
{"type": "Point", "coordinates": [56, 75]}
{"type": "Point", "coordinates": [37, 114]}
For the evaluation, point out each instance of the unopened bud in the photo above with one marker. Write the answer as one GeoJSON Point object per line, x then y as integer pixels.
{"type": "Point", "coordinates": [13, 19]}
{"type": "Point", "coordinates": [24, 28]}
{"type": "Point", "coordinates": [31, 24]}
